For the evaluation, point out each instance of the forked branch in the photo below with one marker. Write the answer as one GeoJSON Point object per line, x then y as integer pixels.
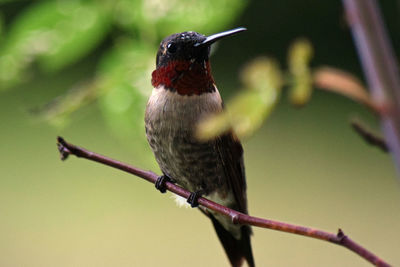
{"type": "Point", "coordinates": [379, 64]}
{"type": "Point", "coordinates": [340, 238]}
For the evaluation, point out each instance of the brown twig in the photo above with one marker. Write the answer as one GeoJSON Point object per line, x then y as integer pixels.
{"type": "Point", "coordinates": [344, 83]}
{"type": "Point", "coordinates": [340, 238]}
{"type": "Point", "coordinates": [369, 137]}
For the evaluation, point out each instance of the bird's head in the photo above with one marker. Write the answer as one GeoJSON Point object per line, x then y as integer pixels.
{"type": "Point", "coordinates": [182, 63]}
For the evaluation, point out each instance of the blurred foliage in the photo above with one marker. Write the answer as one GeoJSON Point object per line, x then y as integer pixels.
{"type": "Point", "coordinates": [125, 88]}
{"type": "Point", "coordinates": [1, 26]}
{"type": "Point", "coordinates": [57, 34]}
{"type": "Point", "coordinates": [300, 54]}
{"type": "Point", "coordinates": [58, 111]}
{"type": "Point", "coordinates": [54, 33]}
{"type": "Point", "coordinates": [262, 80]}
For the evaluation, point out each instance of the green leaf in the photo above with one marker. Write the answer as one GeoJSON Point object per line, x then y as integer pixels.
{"type": "Point", "coordinates": [261, 74]}
{"type": "Point", "coordinates": [57, 33]}
{"type": "Point", "coordinates": [246, 112]}
{"type": "Point", "coordinates": [79, 29]}
{"type": "Point", "coordinates": [124, 77]}
{"type": "Point", "coordinates": [300, 54]}
{"type": "Point", "coordinates": [58, 111]}
{"type": "Point", "coordinates": [205, 16]}
{"type": "Point", "coordinates": [165, 17]}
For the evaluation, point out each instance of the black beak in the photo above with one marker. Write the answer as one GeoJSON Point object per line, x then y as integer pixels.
{"type": "Point", "coordinates": [215, 37]}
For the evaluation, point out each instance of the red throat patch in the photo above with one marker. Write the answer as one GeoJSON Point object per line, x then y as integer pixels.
{"type": "Point", "coordinates": [185, 77]}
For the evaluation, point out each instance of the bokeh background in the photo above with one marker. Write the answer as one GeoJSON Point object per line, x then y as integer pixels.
{"type": "Point", "coordinates": [81, 69]}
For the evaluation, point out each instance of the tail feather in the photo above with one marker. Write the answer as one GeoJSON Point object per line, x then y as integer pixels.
{"type": "Point", "coordinates": [236, 250]}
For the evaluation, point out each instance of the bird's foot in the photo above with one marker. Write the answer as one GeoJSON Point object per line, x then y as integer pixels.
{"type": "Point", "coordinates": [160, 183]}
{"type": "Point", "coordinates": [193, 198]}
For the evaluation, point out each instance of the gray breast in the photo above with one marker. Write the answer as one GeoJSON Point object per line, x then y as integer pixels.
{"type": "Point", "coordinates": [170, 120]}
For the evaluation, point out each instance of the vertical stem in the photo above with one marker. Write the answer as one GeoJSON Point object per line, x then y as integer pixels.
{"type": "Point", "coordinates": [379, 65]}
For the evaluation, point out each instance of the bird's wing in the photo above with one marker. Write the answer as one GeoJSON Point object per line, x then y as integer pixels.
{"type": "Point", "coordinates": [230, 152]}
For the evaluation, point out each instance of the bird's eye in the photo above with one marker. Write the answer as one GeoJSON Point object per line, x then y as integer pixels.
{"type": "Point", "coordinates": [171, 47]}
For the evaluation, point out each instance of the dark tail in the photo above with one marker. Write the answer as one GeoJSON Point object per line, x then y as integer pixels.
{"type": "Point", "coordinates": [236, 250]}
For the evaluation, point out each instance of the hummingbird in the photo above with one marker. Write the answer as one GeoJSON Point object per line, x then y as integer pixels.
{"type": "Point", "coordinates": [184, 93]}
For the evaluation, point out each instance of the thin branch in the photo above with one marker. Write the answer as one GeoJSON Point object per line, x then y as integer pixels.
{"type": "Point", "coordinates": [340, 238]}
{"type": "Point", "coordinates": [379, 65]}
{"type": "Point", "coordinates": [369, 137]}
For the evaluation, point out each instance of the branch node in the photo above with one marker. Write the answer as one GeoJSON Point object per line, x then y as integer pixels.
{"type": "Point", "coordinates": [234, 217]}
{"type": "Point", "coordinates": [340, 234]}
{"type": "Point", "coordinates": [64, 151]}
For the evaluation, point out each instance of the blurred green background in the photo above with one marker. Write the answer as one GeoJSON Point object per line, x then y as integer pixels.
{"type": "Point", "coordinates": [304, 166]}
